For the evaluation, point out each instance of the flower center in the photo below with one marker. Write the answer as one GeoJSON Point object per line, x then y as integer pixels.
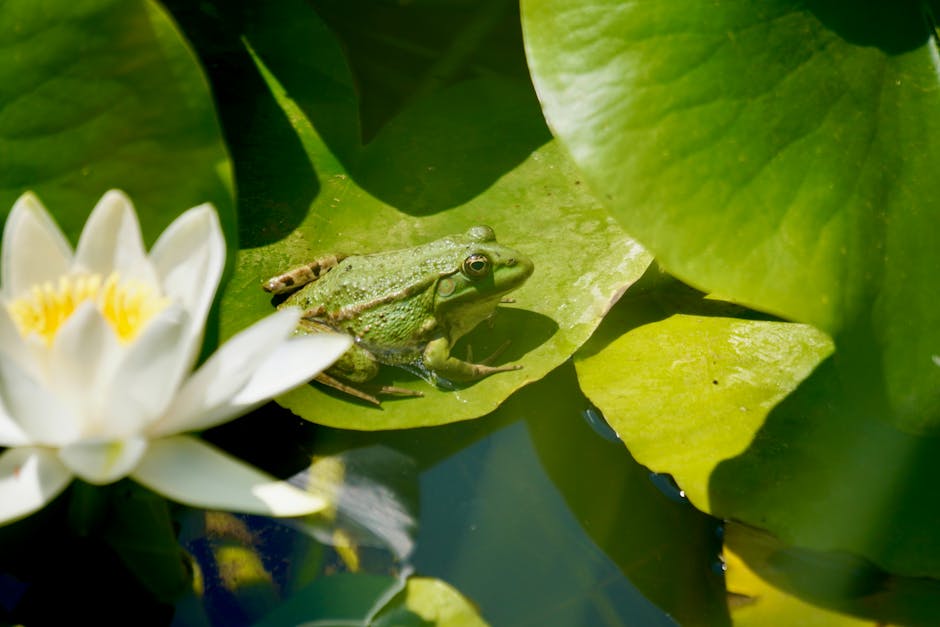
{"type": "Point", "coordinates": [126, 305]}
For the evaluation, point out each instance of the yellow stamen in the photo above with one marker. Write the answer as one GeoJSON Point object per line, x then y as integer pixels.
{"type": "Point", "coordinates": [126, 305]}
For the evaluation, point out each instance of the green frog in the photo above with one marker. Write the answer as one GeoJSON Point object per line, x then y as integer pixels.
{"type": "Point", "coordinates": [405, 307]}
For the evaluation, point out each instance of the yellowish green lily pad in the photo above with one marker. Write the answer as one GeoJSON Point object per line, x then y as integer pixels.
{"type": "Point", "coordinates": [427, 601]}
{"type": "Point", "coordinates": [691, 390]}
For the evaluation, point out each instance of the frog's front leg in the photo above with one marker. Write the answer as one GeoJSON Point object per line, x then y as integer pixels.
{"type": "Point", "coordinates": [437, 359]}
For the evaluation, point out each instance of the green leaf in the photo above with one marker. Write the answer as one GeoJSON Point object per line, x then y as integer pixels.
{"type": "Point", "coordinates": [686, 385]}
{"type": "Point", "coordinates": [105, 94]}
{"type": "Point", "coordinates": [428, 602]}
{"type": "Point", "coordinates": [423, 184]}
{"type": "Point", "coordinates": [754, 602]}
{"type": "Point", "coordinates": [735, 411]}
{"type": "Point", "coordinates": [781, 154]}
{"type": "Point", "coordinates": [841, 481]}
{"type": "Point", "coordinates": [774, 584]}
{"type": "Point", "coordinates": [401, 52]}
{"type": "Point", "coordinates": [375, 600]}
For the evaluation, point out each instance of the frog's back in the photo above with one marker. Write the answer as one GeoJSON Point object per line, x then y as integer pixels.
{"type": "Point", "coordinates": [390, 289]}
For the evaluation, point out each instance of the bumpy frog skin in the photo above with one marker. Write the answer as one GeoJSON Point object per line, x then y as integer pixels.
{"type": "Point", "coordinates": [406, 307]}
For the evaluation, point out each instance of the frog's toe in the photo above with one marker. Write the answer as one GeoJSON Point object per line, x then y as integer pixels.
{"type": "Point", "coordinates": [394, 390]}
{"type": "Point", "coordinates": [492, 356]}
{"type": "Point", "coordinates": [507, 368]}
{"type": "Point", "coordinates": [336, 384]}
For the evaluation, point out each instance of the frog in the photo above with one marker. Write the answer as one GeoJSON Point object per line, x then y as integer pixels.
{"type": "Point", "coordinates": [405, 307]}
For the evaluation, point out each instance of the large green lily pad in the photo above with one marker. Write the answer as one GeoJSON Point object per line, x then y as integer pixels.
{"type": "Point", "coordinates": [430, 185]}
{"type": "Point", "coordinates": [106, 94]}
{"type": "Point", "coordinates": [782, 154]}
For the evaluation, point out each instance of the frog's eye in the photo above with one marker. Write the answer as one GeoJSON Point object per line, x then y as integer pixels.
{"type": "Point", "coordinates": [476, 266]}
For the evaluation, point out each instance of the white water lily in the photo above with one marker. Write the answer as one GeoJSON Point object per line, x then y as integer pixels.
{"type": "Point", "coordinates": [97, 348]}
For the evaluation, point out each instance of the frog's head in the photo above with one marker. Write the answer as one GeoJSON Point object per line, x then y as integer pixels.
{"type": "Point", "coordinates": [485, 272]}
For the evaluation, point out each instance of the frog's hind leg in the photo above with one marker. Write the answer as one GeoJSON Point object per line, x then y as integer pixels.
{"type": "Point", "coordinates": [353, 371]}
{"type": "Point", "coordinates": [301, 275]}
{"type": "Point", "coordinates": [370, 393]}
{"type": "Point", "coordinates": [336, 384]}
{"type": "Point", "coordinates": [492, 356]}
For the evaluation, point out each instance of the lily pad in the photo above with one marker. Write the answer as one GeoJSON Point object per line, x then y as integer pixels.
{"type": "Point", "coordinates": [780, 154]}
{"type": "Point", "coordinates": [106, 94]}
{"type": "Point", "coordinates": [784, 155]}
{"type": "Point", "coordinates": [686, 385]}
{"type": "Point", "coordinates": [771, 583]}
{"type": "Point", "coordinates": [358, 599]}
{"type": "Point", "coordinates": [534, 200]}
{"type": "Point", "coordinates": [753, 601]}
{"type": "Point", "coordinates": [427, 601]}
{"type": "Point", "coordinates": [749, 417]}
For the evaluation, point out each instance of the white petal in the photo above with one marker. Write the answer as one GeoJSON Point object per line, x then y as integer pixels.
{"type": "Point", "coordinates": [211, 401]}
{"type": "Point", "coordinates": [103, 462]}
{"type": "Point", "coordinates": [296, 361]}
{"type": "Point", "coordinates": [14, 346]}
{"type": "Point", "coordinates": [225, 373]}
{"type": "Point", "coordinates": [82, 359]}
{"type": "Point", "coordinates": [146, 379]}
{"type": "Point", "coordinates": [29, 478]}
{"type": "Point", "coordinates": [37, 409]}
{"type": "Point", "coordinates": [34, 248]}
{"type": "Point", "coordinates": [11, 433]}
{"type": "Point", "coordinates": [189, 257]}
{"type": "Point", "coordinates": [190, 471]}
{"type": "Point", "coordinates": [111, 241]}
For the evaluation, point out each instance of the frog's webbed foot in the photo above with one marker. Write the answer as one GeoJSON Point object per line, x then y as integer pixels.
{"type": "Point", "coordinates": [507, 300]}
{"type": "Point", "coordinates": [438, 360]}
{"type": "Point", "coordinates": [364, 395]}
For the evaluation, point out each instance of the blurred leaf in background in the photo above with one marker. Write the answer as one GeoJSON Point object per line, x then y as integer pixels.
{"type": "Point", "coordinates": [107, 94]}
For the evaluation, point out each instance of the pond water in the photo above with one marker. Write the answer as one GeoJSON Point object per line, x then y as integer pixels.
{"type": "Point", "coordinates": [536, 514]}
{"type": "Point", "coordinates": [533, 513]}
